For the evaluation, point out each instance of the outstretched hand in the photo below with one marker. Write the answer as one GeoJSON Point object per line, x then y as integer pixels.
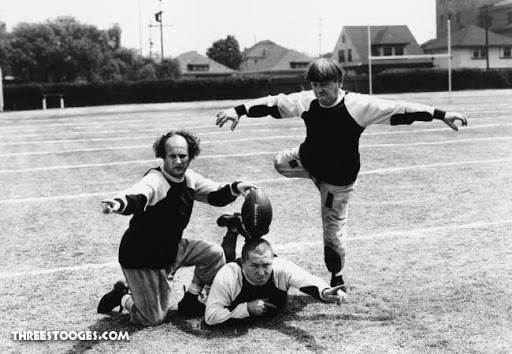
{"type": "Point", "coordinates": [245, 187]}
{"type": "Point", "coordinates": [451, 117]}
{"type": "Point", "coordinates": [227, 115]}
{"type": "Point", "coordinates": [110, 206]}
{"type": "Point", "coordinates": [335, 294]}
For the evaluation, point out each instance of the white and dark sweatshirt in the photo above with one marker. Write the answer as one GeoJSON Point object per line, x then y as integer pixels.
{"type": "Point", "coordinates": [161, 207]}
{"type": "Point", "coordinates": [330, 151]}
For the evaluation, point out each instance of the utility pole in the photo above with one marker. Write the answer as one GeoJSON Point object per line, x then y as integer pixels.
{"type": "Point", "coordinates": [484, 17]}
{"type": "Point", "coordinates": [319, 37]}
{"type": "Point", "coordinates": [158, 18]}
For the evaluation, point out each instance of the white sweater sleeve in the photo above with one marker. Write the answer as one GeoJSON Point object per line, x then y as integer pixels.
{"type": "Point", "coordinates": [225, 288]}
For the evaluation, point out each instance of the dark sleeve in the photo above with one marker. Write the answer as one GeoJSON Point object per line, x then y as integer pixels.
{"type": "Point", "coordinates": [409, 118]}
{"type": "Point", "coordinates": [223, 196]}
{"type": "Point", "coordinates": [135, 204]}
{"type": "Point", "coordinates": [312, 291]}
{"type": "Point", "coordinates": [258, 111]}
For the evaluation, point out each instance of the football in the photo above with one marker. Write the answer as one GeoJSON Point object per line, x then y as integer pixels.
{"type": "Point", "coordinates": [257, 213]}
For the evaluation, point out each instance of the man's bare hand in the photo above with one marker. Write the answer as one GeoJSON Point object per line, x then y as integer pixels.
{"type": "Point", "coordinates": [258, 308]}
{"type": "Point", "coordinates": [227, 115]}
{"type": "Point", "coordinates": [110, 206]}
{"type": "Point", "coordinates": [451, 117]}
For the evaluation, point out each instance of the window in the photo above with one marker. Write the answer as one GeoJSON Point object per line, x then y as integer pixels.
{"type": "Point", "coordinates": [458, 17]}
{"type": "Point", "coordinates": [506, 52]}
{"type": "Point", "coordinates": [441, 19]}
{"type": "Point", "coordinates": [388, 51]}
{"type": "Point", "coordinates": [198, 67]}
{"type": "Point", "coordinates": [375, 51]}
{"type": "Point", "coordinates": [399, 50]}
{"type": "Point", "coordinates": [509, 18]}
{"type": "Point", "coordinates": [478, 53]}
{"type": "Point", "coordinates": [342, 38]}
{"type": "Point", "coordinates": [298, 64]}
{"type": "Point", "coordinates": [341, 56]}
{"type": "Point", "coordinates": [349, 54]}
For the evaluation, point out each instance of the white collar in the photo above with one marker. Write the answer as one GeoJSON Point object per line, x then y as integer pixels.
{"type": "Point", "coordinates": [171, 178]}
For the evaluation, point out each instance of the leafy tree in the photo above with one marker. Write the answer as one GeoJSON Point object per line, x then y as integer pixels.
{"type": "Point", "coordinates": [226, 51]}
{"type": "Point", "coordinates": [5, 49]}
{"type": "Point", "coordinates": [61, 50]}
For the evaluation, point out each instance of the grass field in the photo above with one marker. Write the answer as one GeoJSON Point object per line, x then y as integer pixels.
{"type": "Point", "coordinates": [430, 230]}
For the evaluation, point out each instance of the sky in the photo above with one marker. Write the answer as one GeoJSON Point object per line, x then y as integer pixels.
{"type": "Point", "coordinates": [308, 26]}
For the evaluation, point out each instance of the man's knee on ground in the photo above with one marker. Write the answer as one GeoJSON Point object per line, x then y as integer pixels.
{"type": "Point", "coordinates": [147, 320]}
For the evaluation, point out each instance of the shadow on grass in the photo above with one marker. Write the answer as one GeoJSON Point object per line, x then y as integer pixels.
{"type": "Point", "coordinates": [114, 322]}
{"type": "Point", "coordinates": [281, 323]}
{"type": "Point", "coordinates": [235, 328]}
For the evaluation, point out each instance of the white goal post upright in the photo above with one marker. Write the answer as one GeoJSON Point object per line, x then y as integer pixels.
{"type": "Point", "coordinates": [1, 91]}
{"type": "Point", "coordinates": [447, 55]}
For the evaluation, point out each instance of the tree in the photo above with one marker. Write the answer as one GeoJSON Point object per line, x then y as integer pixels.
{"type": "Point", "coordinates": [61, 50]}
{"type": "Point", "coordinates": [226, 51]}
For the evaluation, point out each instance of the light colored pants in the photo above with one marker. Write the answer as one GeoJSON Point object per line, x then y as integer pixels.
{"type": "Point", "coordinates": [334, 206]}
{"type": "Point", "coordinates": [151, 288]}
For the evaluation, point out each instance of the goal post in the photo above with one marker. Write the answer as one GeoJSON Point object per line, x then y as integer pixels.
{"type": "Point", "coordinates": [447, 55]}
{"type": "Point", "coordinates": [1, 91]}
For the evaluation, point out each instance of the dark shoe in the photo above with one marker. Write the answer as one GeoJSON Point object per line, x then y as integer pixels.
{"type": "Point", "coordinates": [113, 298]}
{"type": "Point", "coordinates": [338, 280]}
{"type": "Point", "coordinates": [233, 223]}
{"type": "Point", "coordinates": [190, 305]}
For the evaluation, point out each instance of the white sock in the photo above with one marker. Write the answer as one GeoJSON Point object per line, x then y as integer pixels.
{"type": "Point", "coordinates": [127, 302]}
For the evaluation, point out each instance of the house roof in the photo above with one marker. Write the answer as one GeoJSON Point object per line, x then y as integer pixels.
{"type": "Point", "coordinates": [273, 57]}
{"type": "Point", "coordinates": [468, 37]}
{"type": "Point", "coordinates": [195, 58]}
{"type": "Point", "coordinates": [381, 35]}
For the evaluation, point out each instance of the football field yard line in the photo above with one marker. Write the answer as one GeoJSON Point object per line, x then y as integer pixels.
{"type": "Point", "coordinates": [282, 248]}
{"type": "Point", "coordinates": [38, 153]}
{"type": "Point", "coordinates": [272, 180]}
{"type": "Point", "coordinates": [131, 137]}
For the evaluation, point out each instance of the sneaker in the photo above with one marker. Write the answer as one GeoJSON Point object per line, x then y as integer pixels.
{"type": "Point", "coordinates": [190, 305]}
{"type": "Point", "coordinates": [113, 298]}
{"type": "Point", "coordinates": [233, 223]}
{"type": "Point", "coordinates": [338, 280]}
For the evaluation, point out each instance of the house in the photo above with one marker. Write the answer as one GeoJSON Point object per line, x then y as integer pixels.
{"type": "Point", "coordinates": [194, 65]}
{"type": "Point", "coordinates": [351, 50]}
{"type": "Point", "coordinates": [268, 58]}
{"type": "Point", "coordinates": [465, 13]}
{"type": "Point", "coordinates": [469, 49]}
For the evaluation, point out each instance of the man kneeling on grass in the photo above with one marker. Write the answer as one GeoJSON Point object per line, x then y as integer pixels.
{"type": "Point", "coordinates": [152, 249]}
{"type": "Point", "coordinates": [257, 285]}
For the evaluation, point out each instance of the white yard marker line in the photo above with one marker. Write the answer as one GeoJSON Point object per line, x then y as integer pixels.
{"type": "Point", "coordinates": [131, 137]}
{"type": "Point", "coordinates": [272, 180]}
{"type": "Point", "coordinates": [281, 248]}
{"type": "Point", "coordinates": [133, 147]}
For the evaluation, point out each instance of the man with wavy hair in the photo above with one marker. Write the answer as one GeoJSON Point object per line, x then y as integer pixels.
{"type": "Point", "coordinates": [152, 248]}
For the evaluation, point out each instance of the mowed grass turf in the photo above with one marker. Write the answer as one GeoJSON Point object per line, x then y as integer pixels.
{"type": "Point", "coordinates": [430, 250]}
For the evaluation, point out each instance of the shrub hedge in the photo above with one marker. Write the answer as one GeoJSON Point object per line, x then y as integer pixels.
{"type": "Point", "coordinates": [29, 96]}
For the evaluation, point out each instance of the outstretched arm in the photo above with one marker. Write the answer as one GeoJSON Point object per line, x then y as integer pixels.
{"type": "Point", "coordinates": [280, 106]}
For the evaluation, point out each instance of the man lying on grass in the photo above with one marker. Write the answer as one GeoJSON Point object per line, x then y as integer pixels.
{"type": "Point", "coordinates": [152, 249]}
{"type": "Point", "coordinates": [257, 285]}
